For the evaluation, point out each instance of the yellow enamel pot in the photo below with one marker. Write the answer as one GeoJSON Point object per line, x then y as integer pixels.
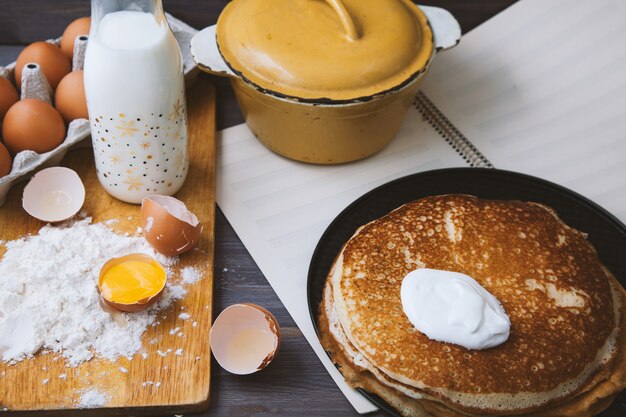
{"type": "Point", "coordinates": [325, 82]}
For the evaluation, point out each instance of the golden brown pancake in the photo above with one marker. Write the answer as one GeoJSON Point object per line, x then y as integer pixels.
{"type": "Point", "coordinates": [564, 308]}
{"type": "Point", "coordinates": [593, 398]}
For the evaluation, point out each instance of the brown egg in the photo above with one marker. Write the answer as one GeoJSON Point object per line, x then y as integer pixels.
{"type": "Point", "coordinates": [32, 124]}
{"type": "Point", "coordinates": [53, 62]}
{"type": "Point", "coordinates": [168, 226]}
{"type": "Point", "coordinates": [8, 96]}
{"type": "Point", "coordinates": [78, 27]}
{"type": "Point", "coordinates": [69, 99]}
{"type": "Point", "coordinates": [5, 161]}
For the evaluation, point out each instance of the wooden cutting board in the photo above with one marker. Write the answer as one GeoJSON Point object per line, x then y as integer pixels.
{"type": "Point", "coordinates": [158, 384]}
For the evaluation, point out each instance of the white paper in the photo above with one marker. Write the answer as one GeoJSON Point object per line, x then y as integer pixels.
{"type": "Point", "coordinates": [280, 208]}
{"type": "Point", "coordinates": [541, 89]}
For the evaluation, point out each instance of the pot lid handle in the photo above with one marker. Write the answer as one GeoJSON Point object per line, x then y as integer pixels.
{"type": "Point", "coordinates": [206, 53]}
{"type": "Point", "coordinates": [346, 19]}
{"type": "Point", "coordinates": [446, 29]}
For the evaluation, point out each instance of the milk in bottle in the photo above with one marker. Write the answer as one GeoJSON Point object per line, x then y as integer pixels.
{"type": "Point", "coordinates": [136, 100]}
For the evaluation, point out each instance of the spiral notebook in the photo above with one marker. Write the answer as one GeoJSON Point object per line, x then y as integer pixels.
{"type": "Point", "coordinates": [540, 89]}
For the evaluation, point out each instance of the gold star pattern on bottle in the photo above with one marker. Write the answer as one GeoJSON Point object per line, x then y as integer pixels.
{"type": "Point", "coordinates": [115, 159]}
{"type": "Point", "coordinates": [177, 110]}
{"type": "Point", "coordinates": [133, 182]}
{"type": "Point", "coordinates": [145, 145]}
{"type": "Point", "coordinates": [127, 128]}
{"type": "Point", "coordinates": [180, 160]}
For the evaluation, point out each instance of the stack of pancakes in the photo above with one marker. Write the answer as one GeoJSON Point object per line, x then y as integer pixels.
{"type": "Point", "coordinates": [566, 353]}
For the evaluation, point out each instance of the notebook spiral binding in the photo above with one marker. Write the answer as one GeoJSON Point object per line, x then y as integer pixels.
{"type": "Point", "coordinates": [450, 133]}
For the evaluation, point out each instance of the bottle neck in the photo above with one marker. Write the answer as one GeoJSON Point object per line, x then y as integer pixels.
{"type": "Point", "coordinates": [101, 8]}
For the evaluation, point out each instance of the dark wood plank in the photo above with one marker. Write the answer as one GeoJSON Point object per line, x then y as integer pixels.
{"type": "Point", "coordinates": [296, 383]}
{"type": "Point", "coordinates": [22, 22]}
{"type": "Point", "coordinates": [9, 53]}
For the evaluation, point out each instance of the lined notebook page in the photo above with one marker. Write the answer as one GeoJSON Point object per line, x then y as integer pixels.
{"type": "Point", "coordinates": [541, 89]}
{"type": "Point", "coordinates": [280, 208]}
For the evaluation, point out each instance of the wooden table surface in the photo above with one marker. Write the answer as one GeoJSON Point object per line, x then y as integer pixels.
{"type": "Point", "coordinates": [296, 383]}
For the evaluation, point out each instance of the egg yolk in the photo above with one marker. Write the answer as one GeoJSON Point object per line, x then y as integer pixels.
{"type": "Point", "coordinates": [132, 281]}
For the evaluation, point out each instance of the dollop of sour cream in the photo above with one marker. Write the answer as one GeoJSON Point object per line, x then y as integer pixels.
{"type": "Point", "coordinates": [452, 307]}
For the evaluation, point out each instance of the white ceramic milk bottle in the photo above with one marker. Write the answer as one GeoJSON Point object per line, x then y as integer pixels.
{"type": "Point", "coordinates": [135, 92]}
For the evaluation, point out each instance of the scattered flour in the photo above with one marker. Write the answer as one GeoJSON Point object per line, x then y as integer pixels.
{"type": "Point", "coordinates": [190, 275]}
{"type": "Point", "coordinates": [92, 398]}
{"type": "Point", "coordinates": [184, 316]}
{"type": "Point", "coordinates": [177, 291]}
{"type": "Point", "coordinates": [179, 352]}
{"type": "Point", "coordinates": [49, 300]}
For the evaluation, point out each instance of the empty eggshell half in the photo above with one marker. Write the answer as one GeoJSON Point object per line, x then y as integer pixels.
{"type": "Point", "coordinates": [54, 194]}
{"type": "Point", "coordinates": [244, 338]}
{"type": "Point", "coordinates": [168, 226]}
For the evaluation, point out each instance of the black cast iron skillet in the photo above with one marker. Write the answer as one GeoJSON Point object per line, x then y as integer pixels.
{"type": "Point", "coordinates": [606, 232]}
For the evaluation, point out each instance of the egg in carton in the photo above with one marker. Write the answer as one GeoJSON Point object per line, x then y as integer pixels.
{"type": "Point", "coordinates": [35, 86]}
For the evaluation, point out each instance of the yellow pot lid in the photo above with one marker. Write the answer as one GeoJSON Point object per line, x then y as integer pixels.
{"type": "Point", "coordinates": [325, 49]}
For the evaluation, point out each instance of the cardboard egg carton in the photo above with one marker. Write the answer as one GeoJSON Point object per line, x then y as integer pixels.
{"type": "Point", "coordinates": [26, 163]}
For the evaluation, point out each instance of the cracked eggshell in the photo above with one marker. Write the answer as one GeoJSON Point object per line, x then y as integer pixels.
{"type": "Point", "coordinates": [168, 226]}
{"type": "Point", "coordinates": [236, 329]}
{"type": "Point", "coordinates": [54, 194]}
{"type": "Point", "coordinates": [140, 304]}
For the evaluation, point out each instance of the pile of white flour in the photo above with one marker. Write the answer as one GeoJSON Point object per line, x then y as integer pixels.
{"type": "Point", "coordinates": [49, 298]}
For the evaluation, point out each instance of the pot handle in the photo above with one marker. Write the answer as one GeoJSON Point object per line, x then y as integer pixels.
{"type": "Point", "coordinates": [207, 55]}
{"type": "Point", "coordinates": [446, 29]}
{"type": "Point", "coordinates": [351, 29]}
